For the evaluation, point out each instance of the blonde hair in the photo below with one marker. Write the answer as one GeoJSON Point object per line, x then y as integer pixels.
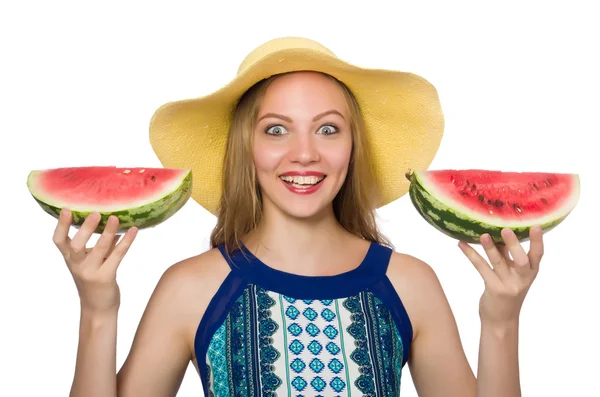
{"type": "Point", "coordinates": [240, 208]}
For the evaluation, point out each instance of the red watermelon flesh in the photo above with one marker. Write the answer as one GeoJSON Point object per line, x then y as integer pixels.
{"type": "Point", "coordinates": [107, 186]}
{"type": "Point", "coordinates": [141, 197]}
{"type": "Point", "coordinates": [511, 196]}
{"type": "Point", "coordinates": [465, 204]}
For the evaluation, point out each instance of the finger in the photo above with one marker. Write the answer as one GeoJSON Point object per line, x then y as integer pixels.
{"type": "Point", "coordinates": [112, 246]}
{"type": "Point", "coordinates": [505, 254]}
{"type": "Point", "coordinates": [494, 255]}
{"type": "Point", "coordinates": [77, 246]}
{"type": "Point", "coordinates": [536, 247]}
{"type": "Point", "coordinates": [116, 239]}
{"type": "Point", "coordinates": [520, 259]}
{"type": "Point", "coordinates": [61, 232]}
{"type": "Point", "coordinates": [482, 266]}
{"type": "Point", "coordinates": [106, 241]}
{"type": "Point", "coordinates": [118, 253]}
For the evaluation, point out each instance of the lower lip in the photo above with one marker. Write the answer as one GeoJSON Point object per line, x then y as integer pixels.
{"type": "Point", "coordinates": [310, 189]}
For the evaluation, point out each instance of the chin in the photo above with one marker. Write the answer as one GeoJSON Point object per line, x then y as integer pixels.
{"type": "Point", "coordinates": [304, 209]}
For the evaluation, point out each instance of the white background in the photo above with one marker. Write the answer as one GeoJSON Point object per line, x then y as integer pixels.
{"type": "Point", "coordinates": [80, 80]}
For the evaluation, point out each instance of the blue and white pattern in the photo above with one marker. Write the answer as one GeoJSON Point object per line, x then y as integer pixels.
{"type": "Point", "coordinates": [271, 343]}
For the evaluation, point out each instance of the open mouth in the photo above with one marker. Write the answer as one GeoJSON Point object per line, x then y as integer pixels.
{"type": "Point", "coordinates": [302, 182]}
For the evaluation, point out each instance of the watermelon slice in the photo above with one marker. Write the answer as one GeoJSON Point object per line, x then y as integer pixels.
{"type": "Point", "coordinates": [464, 204]}
{"type": "Point", "coordinates": [141, 197]}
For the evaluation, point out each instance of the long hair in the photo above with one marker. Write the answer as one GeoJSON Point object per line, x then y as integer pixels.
{"type": "Point", "coordinates": [240, 207]}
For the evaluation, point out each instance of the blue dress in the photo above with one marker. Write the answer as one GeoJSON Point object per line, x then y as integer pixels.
{"type": "Point", "coordinates": [271, 333]}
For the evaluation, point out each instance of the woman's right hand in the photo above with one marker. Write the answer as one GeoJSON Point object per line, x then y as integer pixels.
{"type": "Point", "coordinates": [94, 269]}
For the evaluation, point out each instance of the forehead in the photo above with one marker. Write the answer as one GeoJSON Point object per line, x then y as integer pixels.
{"type": "Point", "coordinates": [303, 90]}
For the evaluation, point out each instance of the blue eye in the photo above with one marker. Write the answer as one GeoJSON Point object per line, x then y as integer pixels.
{"type": "Point", "coordinates": [328, 129]}
{"type": "Point", "coordinates": [275, 130]}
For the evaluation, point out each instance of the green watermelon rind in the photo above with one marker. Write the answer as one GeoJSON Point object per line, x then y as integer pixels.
{"type": "Point", "coordinates": [454, 221]}
{"type": "Point", "coordinates": [142, 216]}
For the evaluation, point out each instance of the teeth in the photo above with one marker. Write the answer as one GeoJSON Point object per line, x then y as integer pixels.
{"type": "Point", "coordinates": [303, 180]}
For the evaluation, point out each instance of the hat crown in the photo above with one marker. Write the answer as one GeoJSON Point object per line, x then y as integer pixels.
{"type": "Point", "coordinates": [281, 44]}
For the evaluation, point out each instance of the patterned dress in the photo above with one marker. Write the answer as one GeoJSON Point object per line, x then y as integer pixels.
{"type": "Point", "coordinates": [271, 333]}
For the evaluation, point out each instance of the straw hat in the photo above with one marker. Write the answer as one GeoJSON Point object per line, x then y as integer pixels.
{"type": "Point", "coordinates": [403, 116]}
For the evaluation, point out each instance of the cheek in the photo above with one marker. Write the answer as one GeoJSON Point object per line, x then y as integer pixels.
{"type": "Point", "coordinates": [267, 157]}
{"type": "Point", "coordinates": [339, 157]}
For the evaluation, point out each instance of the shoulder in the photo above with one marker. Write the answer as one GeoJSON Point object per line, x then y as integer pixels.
{"type": "Point", "coordinates": [186, 288]}
{"type": "Point", "coordinates": [405, 267]}
{"type": "Point", "coordinates": [418, 287]}
{"type": "Point", "coordinates": [206, 269]}
{"type": "Point", "coordinates": [164, 340]}
{"type": "Point", "coordinates": [437, 360]}
{"type": "Point", "coordinates": [191, 282]}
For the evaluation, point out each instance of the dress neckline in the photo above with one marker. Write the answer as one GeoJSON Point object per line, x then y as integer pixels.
{"type": "Point", "coordinates": [347, 283]}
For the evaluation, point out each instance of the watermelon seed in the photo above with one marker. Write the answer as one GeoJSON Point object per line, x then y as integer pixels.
{"type": "Point", "coordinates": [544, 200]}
{"type": "Point", "coordinates": [142, 171]}
{"type": "Point", "coordinates": [535, 186]}
{"type": "Point", "coordinates": [126, 171]}
{"type": "Point", "coordinates": [498, 203]}
{"type": "Point", "coordinates": [517, 208]}
{"type": "Point", "coordinates": [481, 198]}
{"type": "Point", "coordinates": [153, 178]}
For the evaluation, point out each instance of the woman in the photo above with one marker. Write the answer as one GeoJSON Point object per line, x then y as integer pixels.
{"type": "Point", "coordinates": [300, 293]}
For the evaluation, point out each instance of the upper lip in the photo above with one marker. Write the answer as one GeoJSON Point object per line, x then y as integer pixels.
{"type": "Point", "coordinates": [302, 173]}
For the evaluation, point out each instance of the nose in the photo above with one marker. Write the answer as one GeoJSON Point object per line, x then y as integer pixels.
{"type": "Point", "coordinates": [304, 149]}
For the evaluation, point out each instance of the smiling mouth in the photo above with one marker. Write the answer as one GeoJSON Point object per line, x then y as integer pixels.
{"type": "Point", "coordinates": [302, 182]}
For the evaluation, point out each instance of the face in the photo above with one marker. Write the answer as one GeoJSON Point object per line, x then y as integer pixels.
{"type": "Point", "coordinates": [302, 144]}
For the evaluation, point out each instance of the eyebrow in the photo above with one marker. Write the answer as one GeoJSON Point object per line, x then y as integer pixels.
{"type": "Point", "coordinates": [289, 120]}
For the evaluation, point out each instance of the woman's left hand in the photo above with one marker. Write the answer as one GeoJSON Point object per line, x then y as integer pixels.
{"type": "Point", "coordinates": [507, 280]}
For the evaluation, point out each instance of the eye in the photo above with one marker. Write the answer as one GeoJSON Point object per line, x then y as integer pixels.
{"type": "Point", "coordinates": [275, 130]}
{"type": "Point", "coordinates": [328, 129]}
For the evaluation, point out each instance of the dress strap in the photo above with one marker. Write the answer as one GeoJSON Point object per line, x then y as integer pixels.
{"type": "Point", "coordinates": [379, 258]}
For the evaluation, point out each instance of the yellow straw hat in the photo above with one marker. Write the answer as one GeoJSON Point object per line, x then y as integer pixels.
{"type": "Point", "coordinates": [402, 113]}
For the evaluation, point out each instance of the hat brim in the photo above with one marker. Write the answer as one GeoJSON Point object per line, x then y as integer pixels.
{"type": "Point", "coordinates": [403, 118]}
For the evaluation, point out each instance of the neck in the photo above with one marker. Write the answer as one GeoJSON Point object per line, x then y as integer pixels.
{"type": "Point", "coordinates": [298, 245]}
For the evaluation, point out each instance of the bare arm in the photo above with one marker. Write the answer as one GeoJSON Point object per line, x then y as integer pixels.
{"type": "Point", "coordinates": [498, 369]}
{"type": "Point", "coordinates": [95, 368]}
{"type": "Point", "coordinates": [438, 364]}
{"type": "Point", "coordinates": [160, 352]}
{"type": "Point", "coordinates": [94, 273]}
{"type": "Point", "coordinates": [163, 344]}
{"type": "Point", "coordinates": [507, 277]}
